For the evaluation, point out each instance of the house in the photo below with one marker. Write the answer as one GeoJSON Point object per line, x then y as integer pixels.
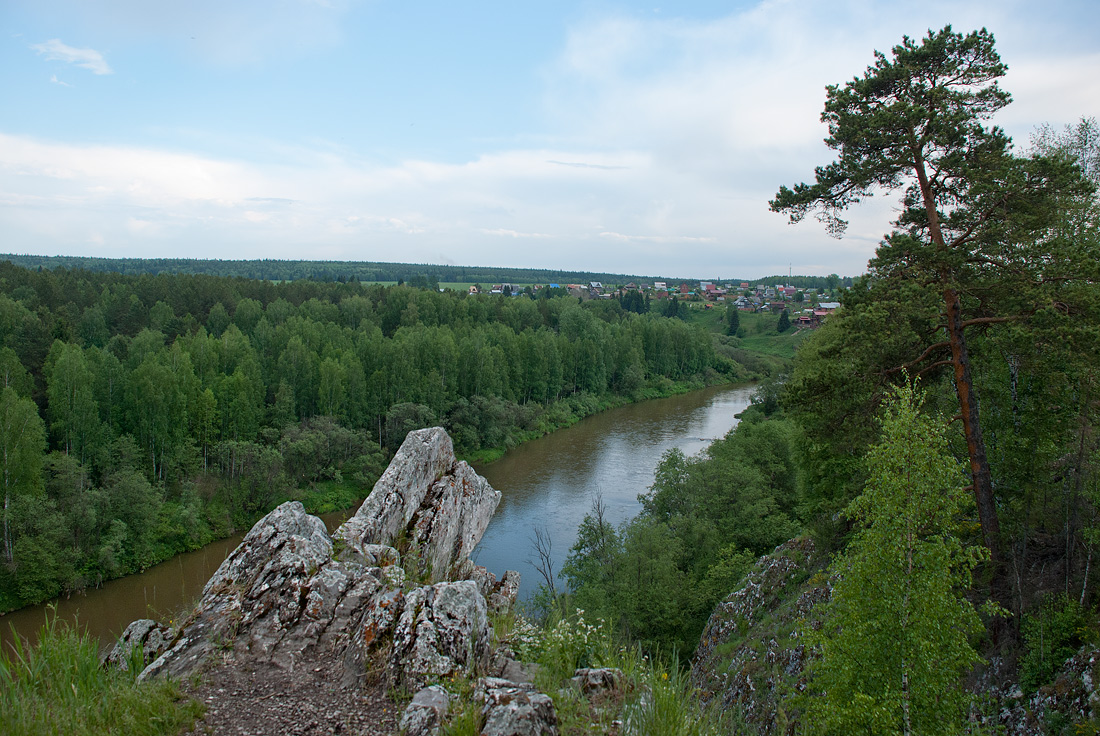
{"type": "Point", "coordinates": [660, 286]}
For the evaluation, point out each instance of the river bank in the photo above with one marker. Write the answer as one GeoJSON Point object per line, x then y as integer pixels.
{"type": "Point", "coordinates": [165, 589]}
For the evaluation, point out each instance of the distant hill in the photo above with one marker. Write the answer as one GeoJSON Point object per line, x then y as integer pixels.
{"type": "Point", "coordinates": [281, 270]}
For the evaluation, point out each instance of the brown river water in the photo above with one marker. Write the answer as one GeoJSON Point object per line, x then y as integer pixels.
{"type": "Point", "coordinates": [548, 483]}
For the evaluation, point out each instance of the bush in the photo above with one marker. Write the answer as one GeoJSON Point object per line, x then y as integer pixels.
{"type": "Point", "coordinates": [1052, 634]}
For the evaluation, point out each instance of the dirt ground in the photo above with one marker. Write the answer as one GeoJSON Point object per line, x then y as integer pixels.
{"type": "Point", "coordinates": [253, 698]}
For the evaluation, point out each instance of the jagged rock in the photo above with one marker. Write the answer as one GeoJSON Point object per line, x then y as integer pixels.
{"type": "Point", "coordinates": [594, 681]}
{"type": "Point", "coordinates": [426, 712]}
{"type": "Point", "coordinates": [256, 593]}
{"type": "Point", "coordinates": [425, 502]}
{"type": "Point", "coordinates": [370, 555]}
{"type": "Point", "coordinates": [500, 595]}
{"type": "Point", "coordinates": [443, 629]}
{"type": "Point", "coordinates": [151, 637]}
{"type": "Point", "coordinates": [512, 709]}
{"type": "Point", "coordinates": [287, 587]}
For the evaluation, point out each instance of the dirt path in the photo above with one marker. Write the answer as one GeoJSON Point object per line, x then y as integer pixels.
{"type": "Point", "coordinates": [248, 697]}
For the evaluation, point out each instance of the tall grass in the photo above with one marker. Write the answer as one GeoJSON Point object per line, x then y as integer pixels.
{"type": "Point", "coordinates": [58, 687]}
{"type": "Point", "coordinates": [655, 697]}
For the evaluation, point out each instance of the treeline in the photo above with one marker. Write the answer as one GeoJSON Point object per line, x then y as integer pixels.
{"type": "Point", "coordinates": [830, 282]}
{"type": "Point", "coordinates": [143, 416]}
{"type": "Point", "coordinates": [279, 270]}
{"type": "Point", "coordinates": [414, 274]}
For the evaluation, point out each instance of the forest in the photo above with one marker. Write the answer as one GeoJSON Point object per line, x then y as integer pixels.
{"type": "Point", "coordinates": [143, 416]}
{"type": "Point", "coordinates": [414, 274]}
{"type": "Point", "coordinates": [288, 270]}
{"type": "Point", "coordinates": [936, 437]}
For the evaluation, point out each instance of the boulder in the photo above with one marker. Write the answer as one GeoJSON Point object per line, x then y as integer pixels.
{"type": "Point", "coordinates": [596, 681]}
{"type": "Point", "coordinates": [256, 593]}
{"type": "Point", "coordinates": [499, 594]}
{"type": "Point", "coordinates": [148, 635]}
{"type": "Point", "coordinates": [512, 709]}
{"type": "Point", "coordinates": [425, 714]}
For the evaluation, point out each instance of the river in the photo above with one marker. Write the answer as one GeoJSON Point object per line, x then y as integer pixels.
{"type": "Point", "coordinates": [548, 483]}
{"type": "Point", "coordinates": [551, 482]}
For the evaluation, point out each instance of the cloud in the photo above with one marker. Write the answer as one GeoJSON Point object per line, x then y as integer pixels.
{"type": "Point", "coordinates": [55, 50]}
{"type": "Point", "coordinates": [514, 233]}
{"type": "Point", "coordinates": [659, 144]}
{"type": "Point", "coordinates": [580, 165]}
{"type": "Point", "coordinates": [55, 80]}
{"type": "Point", "coordinates": [658, 238]}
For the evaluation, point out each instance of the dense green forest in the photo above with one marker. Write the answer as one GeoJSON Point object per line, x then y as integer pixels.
{"type": "Point", "coordinates": [938, 432]}
{"type": "Point", "coordinates": [145, 415]}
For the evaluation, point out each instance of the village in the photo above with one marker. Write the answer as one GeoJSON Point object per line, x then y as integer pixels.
{"type": "Point", "coordinates": [806, 307]}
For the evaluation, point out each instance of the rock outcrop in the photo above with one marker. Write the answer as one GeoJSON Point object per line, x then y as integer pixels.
{"type": "Point", "coordinates": [290, 587]}
{"type": "Point", "coordinates": [750, 653]}
{"type": "Point", "coordinates": [426, 503]}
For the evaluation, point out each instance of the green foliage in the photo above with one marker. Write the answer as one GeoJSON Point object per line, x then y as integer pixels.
{"type": "Point", "coordinates": [895, 643]}
{"type": "Point", "coordinates": [654, 696]}
{"type": "Point", "coordinates": [58, 687]}
{"type": "Point", "coordinates": [784, 321]}
{"type": "Point", "coordinates": [1052, 633]}
{"type": "Point", "coordinates": [703, 522]}
{"type": "Point", "coordinates": [733, 319]}
{"type": "Point", "coordinates": [187, 406]}
{"type": "Point", "coordinates": [667, 712]}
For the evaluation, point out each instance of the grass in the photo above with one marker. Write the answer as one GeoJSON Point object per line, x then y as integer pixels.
{"type": "Point", "coordinates": [653, 698]}
{"type": "Point", "coordinates": [58, 687]}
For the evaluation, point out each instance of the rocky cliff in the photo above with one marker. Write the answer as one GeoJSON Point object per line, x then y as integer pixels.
{"type": "Point", "coordinates": [391, 596]}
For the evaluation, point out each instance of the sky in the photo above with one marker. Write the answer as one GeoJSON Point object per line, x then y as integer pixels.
{"type": "Point", "coordinates": [603, 136]}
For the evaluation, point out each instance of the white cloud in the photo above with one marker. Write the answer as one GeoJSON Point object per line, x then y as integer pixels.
{"type": "Point", "coordinates": [515, 233]}
{"type": "Point", "coordinates": [55, 80]}
{"type": "Point", "coordinates": [55, 50]}
{"type": "Point", "coordinates": [662, 142]}
{"type": "Point", "coordinates": [657, 238]}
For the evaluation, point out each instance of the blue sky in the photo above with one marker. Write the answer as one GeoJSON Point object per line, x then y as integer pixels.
{"type": "Point", "coordinates": [622, 136]}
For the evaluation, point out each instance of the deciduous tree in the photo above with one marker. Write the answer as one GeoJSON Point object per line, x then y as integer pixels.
{"type": "Point", "coordinates": [894, 645]}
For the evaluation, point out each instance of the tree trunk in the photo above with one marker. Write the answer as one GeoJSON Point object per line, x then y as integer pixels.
{"type": "Point", "coordinates": [964, 382]}
{"type": "Point", "coordinates": [972, 428]}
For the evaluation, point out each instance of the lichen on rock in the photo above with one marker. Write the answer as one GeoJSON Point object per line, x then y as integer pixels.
{"type": "Point", "coordinates": [289, 590]}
